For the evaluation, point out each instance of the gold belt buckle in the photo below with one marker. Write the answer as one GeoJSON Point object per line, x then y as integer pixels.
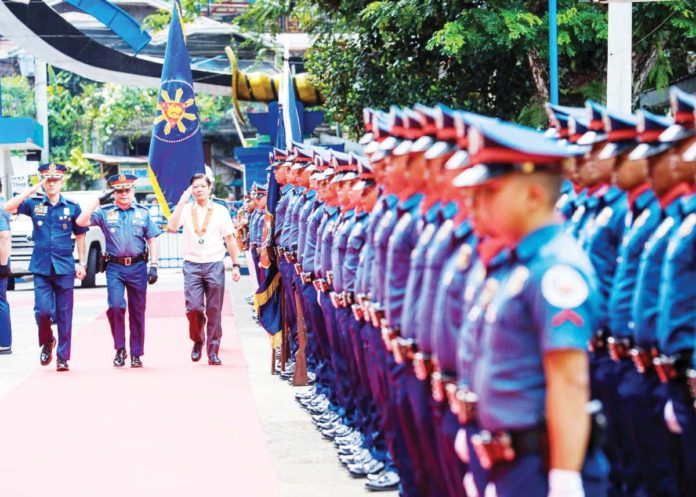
{"type": "Point", "coordinates": [126, 261]}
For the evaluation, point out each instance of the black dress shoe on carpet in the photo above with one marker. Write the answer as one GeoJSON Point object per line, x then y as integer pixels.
{"type": "Point", "coordinates": [120, 358]}
{"type": "Point", "coordinates": [196, 352]}
{"type": "Point", "coordinates": [214, 360]}
{"type": "Point", "coordinates": [47, 352]}
{"type": "Point", "coordinates": [62, 365]}
{"type": "Point", "coordinates": [387, 480]}
{"type": "Point", "coordinates": [136, 362]}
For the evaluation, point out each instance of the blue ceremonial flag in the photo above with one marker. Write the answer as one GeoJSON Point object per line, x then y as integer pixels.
{"type": "Point", "coordinates": [176, 147]}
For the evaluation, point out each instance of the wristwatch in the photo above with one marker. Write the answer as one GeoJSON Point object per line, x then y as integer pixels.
{"type": "Point", "coordinates": [238, 266]}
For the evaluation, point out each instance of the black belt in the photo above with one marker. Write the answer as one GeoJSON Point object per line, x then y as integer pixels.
{"type": "Point", "coordinates": [500, 447]}
{"type": "Point", "coordinates": [126, 261]}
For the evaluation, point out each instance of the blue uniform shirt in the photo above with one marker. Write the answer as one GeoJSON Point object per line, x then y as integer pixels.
{"type": "Point", "coordinates": [546, 300]}
{"type": "Point", "coordinates": [480, 284]}
{"type": "Point", "coordinates": [339, 248]}
{"type": "Point", "coordinates": [575, 222]}
{"type": "Point", "coordinates": [603, 239]}
{"type": "Point", "coordinates": [293, 216]}
{"type": "Point", "coordinates": [436, 256]}
{"type": "Point", "coordinates": [641, 221]}
{"type": "Point", "coordinates": [53, 227]}
{"type": "Point", "coordinates": [363, 273]}
{"type": "Point", "coordinates": [356, 242]}
{"type": "Point", "coordinates": [677, 305]}
{"type": "Point", "coordinates": [286, 239]}
{"type": "Point", "coordinates": [281, 209]}
{"type": "Point", "coordinates": [322, 260]}
{"type": "Point", "coordinates": [440, 337]}
{"type": "Point", "coordinates": [310, 246]}
{"type": "Point", "coordinates": [431, 223]}
{"type": "Point", "coordinates": [305, 211]}
{"type": "Point", "coordinates": [381, 236]}
{"type": "Point", "coordinates": [566, 205]}
{"type": "Point", "coordinates": [646, 297]}
{"type": "Point", "coordinates": [402, 242]}
{"type": "Point", "coordinates": [126, 231]}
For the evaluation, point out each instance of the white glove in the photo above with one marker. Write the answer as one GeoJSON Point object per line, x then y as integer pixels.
{"type": "Point", "coordinates": [565, 483]}
{"type": "Point", "coordinates": [671, 418]}
{"type": "Point", "coordinates": [460, 446]}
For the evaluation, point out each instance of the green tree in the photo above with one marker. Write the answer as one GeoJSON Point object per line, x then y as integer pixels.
{"type": "Point", "coordinates": [487, 56]}
{"type": "Point", "coordinates": [80, 172]}
{"type": "Point", "coordinates": [17, 96]}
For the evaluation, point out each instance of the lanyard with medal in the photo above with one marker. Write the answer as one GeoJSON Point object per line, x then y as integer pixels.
{"type": "Point", "coordinates": [194, 217]}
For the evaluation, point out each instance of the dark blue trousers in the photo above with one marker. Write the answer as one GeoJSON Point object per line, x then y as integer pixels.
{"type": "Point", "coordinates": [446, 427]}
{"type": "Point", "coordinates": [684, 411]}
{"type": "Point", "coordinates": [647, 465]}
{"type": "Point", "coordinates": [527, 476]}
{"type": "Point", "coordinates": [54, 294]}
{"type": "Point", "coordinates": [131, 280]}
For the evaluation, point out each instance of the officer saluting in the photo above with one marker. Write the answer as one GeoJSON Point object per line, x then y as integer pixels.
{"type": "Point", "coordinates": [127, 228]}
{"type": "Point", "coordinates": [52, 260]}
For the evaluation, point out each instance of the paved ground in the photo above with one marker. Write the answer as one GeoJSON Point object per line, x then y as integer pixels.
{"type": "Point", "coordinates": [306, 465]}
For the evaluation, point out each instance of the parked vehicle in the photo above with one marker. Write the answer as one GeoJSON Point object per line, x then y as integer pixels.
{"type": "Point", "coordinates": [23, 241]}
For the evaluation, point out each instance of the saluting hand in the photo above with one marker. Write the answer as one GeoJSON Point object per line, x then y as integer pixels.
{"type": "Point", "coordinates": [187, 193]}
{"type": "Point", "coordinates": [105, 196]}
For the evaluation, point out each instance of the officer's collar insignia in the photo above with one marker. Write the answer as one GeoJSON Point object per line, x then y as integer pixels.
{"type": "Point", "coordinates": [517, 280]}
{"type": "Point", "coordinates": [687, 226]}
{"type": "Point", "coordinates": [464, 257]}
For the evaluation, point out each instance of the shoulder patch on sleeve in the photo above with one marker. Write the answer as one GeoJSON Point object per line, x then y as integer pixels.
{"type": "Point", "coordinates": [564, 287]}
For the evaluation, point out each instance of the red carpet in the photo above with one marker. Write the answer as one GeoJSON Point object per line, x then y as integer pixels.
{"type": "Point", "coordinates": [173, 428]}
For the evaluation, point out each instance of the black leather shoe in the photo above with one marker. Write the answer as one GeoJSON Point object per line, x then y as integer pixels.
{"type": "Point", "coordinates": [62, 365]}
{"type": "Point", "coordinates": [196, 352]}
{"type": "Point", "coordinates": [5, 350]}
{"type": "Point", "coordinates": [387, 480]}
{"type": "Point", "coordinates": [214, 360]}
{"type": "Point", "coordinates": [136, 362]}
{"type": "Point", "coordinates": [47, 352]}
{"type": "Point", "coordinates": [120, 358]}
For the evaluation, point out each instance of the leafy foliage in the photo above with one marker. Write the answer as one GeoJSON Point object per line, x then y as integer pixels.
{"type": "Point", "coordinates": [17, 97]}
{"type": "Point", "coordinates": [80, 171]}
{"type": "Point", "coordinates": [488, 56]}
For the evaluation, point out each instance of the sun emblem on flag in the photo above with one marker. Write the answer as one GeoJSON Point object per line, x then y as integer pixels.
{"type": "Point", "coordinates": [176, 119]}
{"type": "Point", "coordinates": [174, 111]}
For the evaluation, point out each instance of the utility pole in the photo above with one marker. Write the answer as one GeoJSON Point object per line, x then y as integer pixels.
{"type": "Point", "coordinates": [619, 61]}
{"type": "Point", "coordinates": [41, 99]}
{"type": "Point", "coordinates": [553, 50]}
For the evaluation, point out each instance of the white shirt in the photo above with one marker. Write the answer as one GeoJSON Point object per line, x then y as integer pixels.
{"type": "Point", "coordinates": [219, 226]}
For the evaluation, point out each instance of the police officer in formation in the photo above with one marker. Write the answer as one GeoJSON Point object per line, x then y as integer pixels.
{"type": "Point", "coordinates": [131, 241]}
{"type": "Point", "coordinates": [54, 218]}
{"type": "Point", "coordinates": [491, 308]}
